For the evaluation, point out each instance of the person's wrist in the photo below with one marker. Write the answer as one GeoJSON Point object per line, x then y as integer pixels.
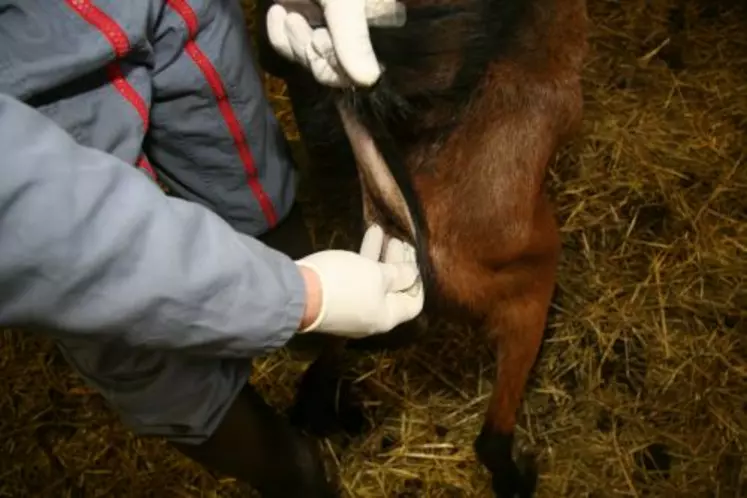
{"type": "Point", "coordinates": [313, 302]}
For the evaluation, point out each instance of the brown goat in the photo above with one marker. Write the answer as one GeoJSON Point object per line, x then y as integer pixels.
{"type": "Point", "coordinates": [477, 97]}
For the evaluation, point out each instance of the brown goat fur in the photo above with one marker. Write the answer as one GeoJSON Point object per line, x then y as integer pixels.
{"type": "Point", "coordinates": [475, 133]}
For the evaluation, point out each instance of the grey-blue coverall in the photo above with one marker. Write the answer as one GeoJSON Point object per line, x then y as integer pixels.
{"type": "Point", "coordinates": [158, 302]}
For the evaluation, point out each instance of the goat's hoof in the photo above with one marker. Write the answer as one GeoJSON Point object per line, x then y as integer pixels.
{"type": "Point", "coordinates": [517, 480]}
{"type": "Point", "coordinates": [325, 405]}
{"type": "Point", "coordinates": [511, 478]}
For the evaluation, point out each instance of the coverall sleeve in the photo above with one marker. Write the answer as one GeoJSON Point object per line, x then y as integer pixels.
{"type": "Point", "coordinates": [92, 248]}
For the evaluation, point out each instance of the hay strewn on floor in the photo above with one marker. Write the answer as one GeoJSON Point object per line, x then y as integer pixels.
{"type": "Point", "coordinates": [646, 363]}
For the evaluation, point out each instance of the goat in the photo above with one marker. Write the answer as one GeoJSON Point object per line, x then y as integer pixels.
{"type": "Point", "coordinates": [452, 147]}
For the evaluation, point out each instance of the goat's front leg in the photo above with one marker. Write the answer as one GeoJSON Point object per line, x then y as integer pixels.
{"type": "Point", "coordinates": [404, 334]}
{"type": "Point", "coordinates": [517, 325]}
{"type": "Point", "coordinates": [324, 402]}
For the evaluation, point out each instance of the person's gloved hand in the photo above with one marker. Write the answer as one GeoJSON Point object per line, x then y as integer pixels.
{"type": "Point", "coordinates": [360, 295]}
{"type": "Point", "coordinates": [338, 55]}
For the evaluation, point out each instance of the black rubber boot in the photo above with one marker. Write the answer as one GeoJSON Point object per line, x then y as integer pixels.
{"type": "Point", "coordinates": [258, 447]}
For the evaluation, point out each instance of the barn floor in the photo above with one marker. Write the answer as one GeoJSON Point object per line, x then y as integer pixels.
{"type": "Point", "coordinates": [642, 387]}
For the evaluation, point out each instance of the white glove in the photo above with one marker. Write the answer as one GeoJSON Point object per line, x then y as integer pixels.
{"type": "Point", "coordinates": [362, 296]}
{"type": "Point", "coordinates": [338, 55]}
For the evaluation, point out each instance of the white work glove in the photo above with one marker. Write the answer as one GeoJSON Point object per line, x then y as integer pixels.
{"type": "Point", "coordinates": [362, 296]}
{"type": "Point", "coordinates": [338, 55]}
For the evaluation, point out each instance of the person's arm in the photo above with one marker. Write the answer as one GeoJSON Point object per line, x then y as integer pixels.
{"type": "Point", "coordinates": [90, 247]}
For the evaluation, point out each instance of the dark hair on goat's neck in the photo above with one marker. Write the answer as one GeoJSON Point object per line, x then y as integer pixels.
{"type": "Point", "coordinates": [463, 38]}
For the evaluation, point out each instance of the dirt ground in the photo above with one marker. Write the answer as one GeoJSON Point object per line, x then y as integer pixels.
{"type": "Point", "coordinates": [641, 389]}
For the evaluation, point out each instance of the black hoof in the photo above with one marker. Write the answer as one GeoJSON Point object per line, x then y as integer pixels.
{"type": "Point", "coordinates": [326, 405]}
{"type": "Point", "coordinates": [517, 480]}
{"type": "Point", "coordinates": [511, 479]}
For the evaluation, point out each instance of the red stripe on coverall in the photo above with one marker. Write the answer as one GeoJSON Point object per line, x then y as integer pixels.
{"type": "Point", "coordinates": [117, 38]}
{"type": "Point", "coordinates": [144, 164]}
{"type": "Point", "coordinates": [208, 70]}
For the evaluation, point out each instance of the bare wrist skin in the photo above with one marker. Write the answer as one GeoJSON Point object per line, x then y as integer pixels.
{"type": "Point", "coordinates": [313, 303]}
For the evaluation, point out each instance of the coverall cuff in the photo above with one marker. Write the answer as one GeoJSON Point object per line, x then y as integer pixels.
{"type": "Point", "coordinates": [285, 316]}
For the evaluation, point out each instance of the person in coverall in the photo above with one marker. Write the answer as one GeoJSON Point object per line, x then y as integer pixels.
{"type": "Point", "coordinates": [159, 301]}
